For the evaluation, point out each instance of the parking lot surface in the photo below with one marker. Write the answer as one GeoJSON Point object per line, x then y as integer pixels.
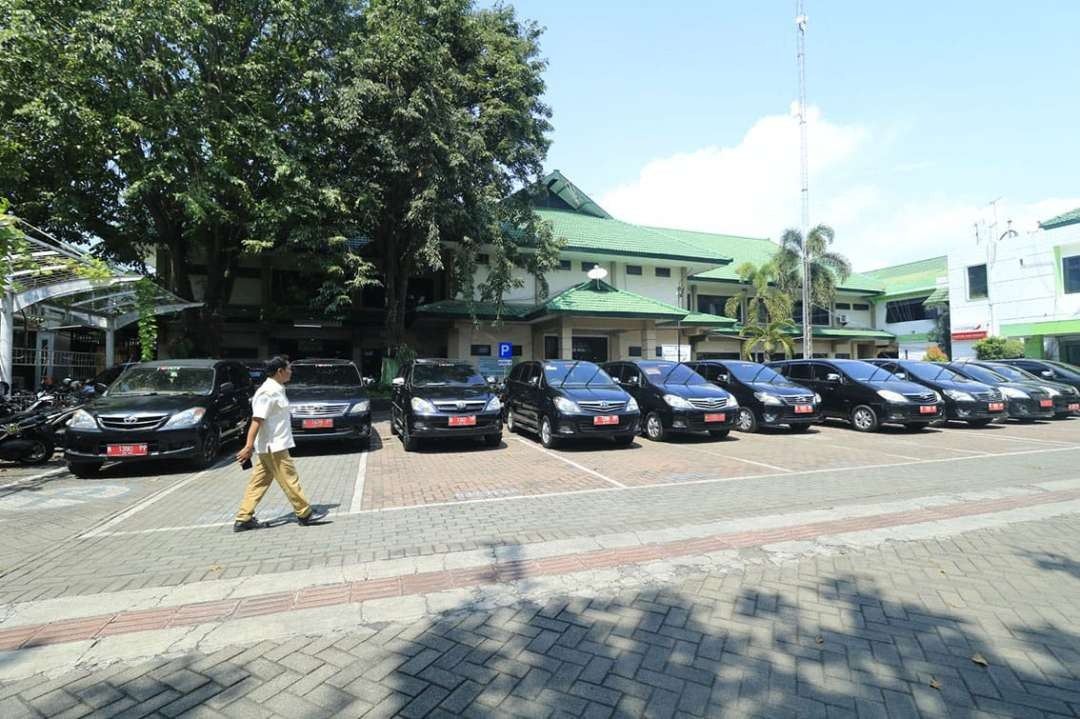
{"type": "Point", "coordinates": [749, 548]}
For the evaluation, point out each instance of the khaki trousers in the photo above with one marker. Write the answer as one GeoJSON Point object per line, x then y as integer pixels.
{"type": "Point", "coordinates": [269, 467]}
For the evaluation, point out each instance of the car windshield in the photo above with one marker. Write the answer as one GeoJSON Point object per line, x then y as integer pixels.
{"type": "Point", "coordinates": [670, 373]}
{"type": "Point", "coordinates": [750, 372]}
{"type": "Point", "coordinates": [163, 380]}
{"type": "Point", "coordinates": [1014, 373]}
{"type": "Point", "coordinates": [1072, 370]}
{"type": "Point", "coordinates": [438, 375]}
{"type": "Point", "coordinates": [929, 372]}
{"type": "Point", "coordinates": [864, 371]}
{"type": "Point", "coordinates": [325, 375]}
{"type": "Point", "coordinates": [983, 375]}
{"type": "Point", "coordinates": [575, 374]}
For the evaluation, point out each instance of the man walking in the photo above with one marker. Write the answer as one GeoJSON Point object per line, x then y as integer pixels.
{"type": "Point", "coordinates": [270, 438]}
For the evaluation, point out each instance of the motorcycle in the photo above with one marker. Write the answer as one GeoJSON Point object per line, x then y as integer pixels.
{"type": "Point", "coordinates": [28, 438]}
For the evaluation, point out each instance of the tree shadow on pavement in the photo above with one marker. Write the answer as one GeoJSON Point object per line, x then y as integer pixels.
{"type": "Point", "coordinates": [1051, 561]}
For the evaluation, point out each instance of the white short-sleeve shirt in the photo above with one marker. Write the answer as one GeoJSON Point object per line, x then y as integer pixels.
{"type": "Point", "coordinates": [272, 406]}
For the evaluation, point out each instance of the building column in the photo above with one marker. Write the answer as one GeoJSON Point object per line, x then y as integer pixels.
{"type": "Point", "coordinates": [7, 339]}
{"type": "Point", "coordinates": [566, 339]}
{"type": "Point", "coordinates": [110, 346]}
{"type": "Point", "coordinates": [648, 340]}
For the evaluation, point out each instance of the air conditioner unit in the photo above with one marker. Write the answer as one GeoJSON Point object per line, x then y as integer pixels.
{"type": "Point", "coordinates": [842, 319]}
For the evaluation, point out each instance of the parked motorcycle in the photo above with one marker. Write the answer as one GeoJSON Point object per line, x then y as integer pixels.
{"type": "Point", "coordinates": [28, 438]}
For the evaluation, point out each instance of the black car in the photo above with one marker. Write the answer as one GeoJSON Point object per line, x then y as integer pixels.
{"type": "Point", "coordinates": [169, 409]}
{"type": "Point", "coordinates": [673, 398]}
{"type": "Point", "coordinates": [864, 394]}
{"type": "Point", "coordinates": [766, 397]}
{"type": "Point", "coordinates": [569, 399]}
{"type": "Point", "coordinates": [444, 398]}
{"type": "Point", "coordinates": [1066, 397]}
{"type": "Point", "coordinates": [1052, 370]}
{"type": "Point", "coordinates": [966, 400]}
{"type": "Point", "coordinates": [101, 381]}
{"type": "Point", "coordinates": [1024, 400]}
{"type": "Point", "coordinates": [327, 402]}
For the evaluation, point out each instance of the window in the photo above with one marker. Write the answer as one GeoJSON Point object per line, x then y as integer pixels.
{"type": "Point", "coordinates": [819, 316]}
{"type": "Point", "coordinates": [566, 265]}
{"type": "Point", "coordinates": [659, 351]}
{"type": "Point", "coordinates": [515, 374]}
{"type": "Point", "coordinates": [634, 351]}
{"type": "Point", "coordinates": [633, 269]}
{"type": "Point", "coordinates": [843, 355]}
{"type": "Point", "coordinates": [714, 305]}
{"type": "Point", "coordinates": [843, 305]}
{"type": "Point", "coordinates": [515, 350]}
{"type": "Point", "coordinates": [586, 266]}
{"type": "Point", "coordinates": [976, 276]}
{"type": "Point", "coordinates": [908, 310]}
{"type": "Point", "coordinates": [551, 347]}
{"type": "Point", "coordinates": [483, 259]}
{"type": "Point", "coordinates": [1070, 272]}
{"type": "Point", "coordinates": [480, 350]}
{"type": "Point", "coordinates": [861, 308]}
{"type": "Point", "coordinates": [822, 372]}
{"type": "Point", "coordinates": [798, 371]}
{"type": "Point", "coordinates": [663, 272]}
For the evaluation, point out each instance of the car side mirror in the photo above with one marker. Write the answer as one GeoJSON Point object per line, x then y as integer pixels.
{"type": "Point", "coordinates": [533, 381]}
{"type": "Point", "coordinates": [227, 387]}
{"type": "Point", "coordinates": [631, 381]}
{"type": "Point", "coordinates": [723, 378]}
{"type": "Point", "coordinates": [832, 377]}
{"type": "Point", "coordinates": [1047, 373]}
{"type": "Point", "coordinates": [900, 375]}
{"type": "Point", "coordinates": [398, 381]}
{"type": "Point", "coordinates": [100, 388]}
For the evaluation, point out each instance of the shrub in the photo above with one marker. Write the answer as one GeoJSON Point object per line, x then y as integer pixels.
{"type": "Point", "coordinates": [934, 354]}
{"type": "Point", "coordinates": [993, 348]}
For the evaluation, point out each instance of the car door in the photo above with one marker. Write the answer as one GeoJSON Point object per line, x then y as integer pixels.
{"type": "Point", "coordinates": [226, 399]}
{"type": "Point", "coordinates": [531, 396]}
{"type": "Point", "coordinates": [241, 379]}
{"type": "Point", "coordinates": [835, 397]}
{"type": "Point", "coordinates": [399, 398]}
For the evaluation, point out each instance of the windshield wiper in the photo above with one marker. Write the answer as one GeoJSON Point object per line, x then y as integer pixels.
{"type": "Point", "coordinates": [568, 373]}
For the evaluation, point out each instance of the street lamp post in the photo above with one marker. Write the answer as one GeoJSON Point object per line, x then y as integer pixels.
{"type": "Point", "coordinates": [807, 311]}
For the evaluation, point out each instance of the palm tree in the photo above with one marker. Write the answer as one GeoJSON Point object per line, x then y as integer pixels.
{"type": "Point", "coordinates": [760, 294]}
{"type": "Point", "coordinates": [827, 268]}
{"type": "Point", "coordinates": [774, 336]}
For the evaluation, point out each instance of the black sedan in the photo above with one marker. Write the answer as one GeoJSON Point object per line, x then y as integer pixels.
{"type": "Point", "coordinates": [1024, 401]}
{"type": "Point", "coordinates": [766, 398]}
{"type": "Point", "coordinates": [1053, 370]}
{"type": "Point", "coordinates": [673, 398]}
{"type": "Point", "coordinates": [440, 398]}
{"type": "Point", "coordinates": [1066, 397]}
{"type": "Point", "coordinates": [966, 400]}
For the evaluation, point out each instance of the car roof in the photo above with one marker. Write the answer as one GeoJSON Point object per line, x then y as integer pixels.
{"type": "Point", "coordinates": [202, 363]}
{"type": "Point", "coordinates": [328, 360]}
{"type": "Point", "coordinates": [441, 361]}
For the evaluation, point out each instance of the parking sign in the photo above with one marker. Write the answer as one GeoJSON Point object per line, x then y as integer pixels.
{"type": "Point", "coordinates": [506, 350]}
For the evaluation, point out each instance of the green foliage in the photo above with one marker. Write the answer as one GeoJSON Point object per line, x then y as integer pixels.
{"type": "Point", "coordinates": [145, 301]}
{"type": "Point", "coordinates": [934, 354]}
{"type": "Point", "coordinates": [993, 348]}
{"type": "Point", "coordinates": [770, 338]}
{"type": "Point", "coordinates": [827, 268]}
{"type": "Point", "coordinates": [758, 291]}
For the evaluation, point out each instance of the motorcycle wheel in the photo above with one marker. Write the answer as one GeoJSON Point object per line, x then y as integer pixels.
{"type": "Point", "coordinates": [42, 453]}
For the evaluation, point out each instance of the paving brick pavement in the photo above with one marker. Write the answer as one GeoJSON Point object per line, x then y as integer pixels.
{"type": "Point", "coordinates": [981, 624]}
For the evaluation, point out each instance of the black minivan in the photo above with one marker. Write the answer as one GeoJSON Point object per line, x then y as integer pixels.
{"type": "Point", "coordinates": [1025, 400]}
{"type": "Point", "coordinates": [443, 398]}
{"type": "Point", "coordinates": [569, 399]}
{"type": "Point", "coordinates": [766, 398]}
{"type": "Point", "coordinates": [965, 399]}
{"type": "Point", "coordinates": [1051, 370]}
{"type": "Point", "coordinates": [169, 409]}
{"type": "Point", "coordinates": [673, 398]}
{"type": "Point", "coordinates": [863, 394]}
{"type": "Point", "coordinates": [1066, 397]}
{"type": "Point", "coordinates": [327, 402]}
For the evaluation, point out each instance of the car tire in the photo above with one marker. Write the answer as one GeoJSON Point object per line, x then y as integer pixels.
{"type": "Point", "coordinates": [865, 419]}
{"type": "Point", "coordinates": [623, 440]}
{"type": "Point", "coordinates": [208, 450]}
{"type": "Point", "coordinates": [493, 440]}
{"type": "Point", "coordinates": [799, 428]}
{"type": "Point", "coordinates": [408, 442]}
{"type": "Point", "coordinates": [547, 433]}
{"type": "Point", "coordinates": [43, 452]}
{"type": "Point", "coordinates": [746, 421]}
{"type": "Point", "coordinates": [393, 425]}
{"type": "Point", "coordinates": [719, 433]}
{"type": "Point", "coordinates": [511, 425]}
{"type": "Point", "coordinates": [84, 470]}
{"type": "Point", "coordinates": [654, 427]}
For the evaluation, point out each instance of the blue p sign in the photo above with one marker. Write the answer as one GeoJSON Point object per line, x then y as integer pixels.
{"type": "Point", "coordinates": [506, 350]}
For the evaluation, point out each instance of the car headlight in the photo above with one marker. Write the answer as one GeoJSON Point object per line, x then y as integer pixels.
{"type": "Point", "coordinates": [958, 395]}
{"type": "Point", "coordinates": [566, 406]}
{"type": "Point", "coordinates": [187, 418]}
{"type": "Point", "coordinates": [631, 405]}
{"type": "Point", "coordinates": [817, 397]}
{"type": "Point", "coordinates": [889, 396]}
{"type": "Point", "coordinates": [937, 396]}
{"type": "Point", "coordinates": [677, 402]}
{"type": "Point", "coordinates": [493, 405]}
{"type": "Point", "coordinates": [1053, 392]}
{"type": "Point", "coordinates": [360, 407]}
{"type": "Point", "coordinates": [422, 406]}
{"type": "Point", "coordinates": [1014, 393]}
{"type": "Point", "coordinates": [82, 420]}
{"type": "Point", "coordinates": [766, 398]}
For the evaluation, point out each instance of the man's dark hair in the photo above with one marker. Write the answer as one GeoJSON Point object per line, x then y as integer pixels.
{"type": "Point", "coordinates": [276, 364]}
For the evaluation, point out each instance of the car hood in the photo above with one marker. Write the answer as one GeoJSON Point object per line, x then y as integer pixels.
{"type": "Point", "coordinates": [451, 392]}
{"type": "Point", "coordinates": [693, 391]}
{"type": "Point", "coordinates": [779, 389]}
{"type": "Point", "coordinates": [328, 394]}
{"type": "Point", "coordinates": [611, 394]}
{"type": "Point", "coordinates": [1062, 387]}
{"type": "Point", "coordinates": [971, 386]}
{"type": "Point", "coordinates": [159, 404]}
{"type": "Point", "coordinates": [902, 386]}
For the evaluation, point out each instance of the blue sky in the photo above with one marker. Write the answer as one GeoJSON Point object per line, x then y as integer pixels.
{"type": "Point", "coordinates": [679, 114]}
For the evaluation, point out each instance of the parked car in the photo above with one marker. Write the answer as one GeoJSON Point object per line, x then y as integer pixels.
{"type": "Point", "coordinates": [444, 398]}
{"type": "Point", "coordinates": [1052, 370]}
{"type": "Point", "coordinates": [864, 394]}
{"type": "Point", "coordinates": [569, 399]}
{"type": "Point", "coordinates": [1025, 401]}
{"type": "Point", "coordinates": [169, 409]}
{"type": "Point", "coordinates": [256, 370]}
{"type": "Point", "coordinates": [673, 398]}
{"type": "Point", "coordinates": [327, 402]}
{"type": "Point", "coordinates": [966, 400]}
{"type": "Point", "coordinates": [101, 381]}
{"type": "Point", "coordinates": [765, 397]}
{"type": "Point", "coordinates": [1066, 397]}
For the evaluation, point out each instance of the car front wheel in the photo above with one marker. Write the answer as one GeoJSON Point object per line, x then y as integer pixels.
{"type": "Point", "coordinates": [511, 425]}
{"type": "Point", "coordinates": [654, 427]}
{"type": "Point", "coordinates": [208, 451]}
{"type": "Point", "coordinates": [864, 419]}
{"type": "Point", "coordinates": [547, 434]}
{"type": "Point", "coordinates": [746, 421]}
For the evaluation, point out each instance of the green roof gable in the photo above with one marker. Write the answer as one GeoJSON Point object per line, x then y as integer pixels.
{"type": "Point", "coordinates": [703, 319]}
{"type": "Point", "coordinates": [585, 233]}
{"type": "Point", "coordinates": [912, 277]}
{"type": "Point", "coordinates": [561, 194]}
{"type": "Point", "coordinates": [598, 298]}
{"type": "Point", "coordinates": [1072, 217]}
{"type": "Point", "coordinates": [481, 310]}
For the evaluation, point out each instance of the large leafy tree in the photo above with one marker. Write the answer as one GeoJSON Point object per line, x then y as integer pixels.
{"type": "Point", "coordinates": [828, 269]}
{"type": "Point", "coordinates": [441, 122]}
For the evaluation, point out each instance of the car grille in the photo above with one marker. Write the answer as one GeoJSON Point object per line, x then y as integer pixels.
{"type": "Point", "coordinates": [604, 405]}
{"type": "Point", "coordinates": [464, 407]}
{"type": "Point", "coordinates": [795, 399]}
{"type": "Point", "coordinates": [318, 410]}
{"type": "Point", "coordinates": [131, 422]}
{"type": "Point", "coordinates": [991, 396]}
{"type": "Point", "coordinates": [927, 397]}
{"type": "Point", "coordinates": [709, 402]}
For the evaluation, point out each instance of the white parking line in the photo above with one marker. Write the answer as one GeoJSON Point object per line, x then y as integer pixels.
{"type": "Point", "coordinates": [572, 463]}
{"type": "Point", "coordinates": [143, 504]}
{"type": "Point", "coordinates": [879, 452]}
{"type": "Point", "coordinates": [1037, 441]}
{"type": "Point", "coordinates": [737, 459]}
{"type": "Point", "coordinates": [358, 488]}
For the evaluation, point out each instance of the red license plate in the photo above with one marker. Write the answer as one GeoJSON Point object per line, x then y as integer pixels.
{"type": "Point", "coordinates": [468, 421]}
{"type": "Point", "coordinates": [719, 417]}
{"type": "Point", "coordinates": [928, 409]}
{"type": "Point", "coordinates": [606, 419]}
{"type": "Point", "coordinates": [1046, 403]}
{"type": "Point", "coordinates": [803, 409]}
{"type": "Point", "coordinates": [317, 423]}
{"type": "Point", "coordinates": [1074, 407]}
{"type": "Point", "coordinates": [126, 450]}
{"type": "Point", "coordinates": [996, 407]}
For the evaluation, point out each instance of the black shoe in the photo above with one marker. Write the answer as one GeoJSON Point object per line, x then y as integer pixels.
{"type": "Point", "coordinates": [245, 526]}
{"type": "Point", "coordinates": [312, 518]}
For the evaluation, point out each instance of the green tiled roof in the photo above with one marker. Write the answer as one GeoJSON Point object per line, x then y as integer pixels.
{"type": "Point", "coordinates": [940, 296]}
{"type": "Point", "coordinates": [598, 298]}
{"type": "Point", "coordinates": [561, 193]}
{"type": "Point", "coordinates": [482, 310]}
{"type": "Point", "coordinates": [704, 319]}
{"type": "Point", "coordinates": [912, 277]}
{"type": "Point", "coordinates": [851, 333]}
{"type": "Point", "coordinates": [1072, 217]}
{"type": "Point", "coordinates": [586, 233]}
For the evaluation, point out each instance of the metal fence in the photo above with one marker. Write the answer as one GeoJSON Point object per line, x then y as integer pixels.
{"type": "Point", "coordinates": [64, 363]}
